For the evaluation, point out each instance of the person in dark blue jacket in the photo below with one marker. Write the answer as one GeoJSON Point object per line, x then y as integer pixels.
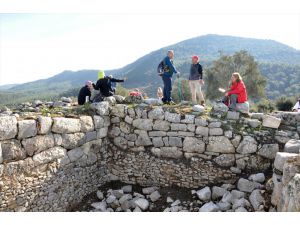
{"type": "Point", "coordinates": [167, 77]}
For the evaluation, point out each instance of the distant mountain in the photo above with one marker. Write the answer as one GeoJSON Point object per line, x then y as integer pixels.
{"type": "Point", "coordinates": [7, 86]}
{"type": "Point", "coordinates": [142, 72]}
{"type": "Point", "coordinates": [208, 47]}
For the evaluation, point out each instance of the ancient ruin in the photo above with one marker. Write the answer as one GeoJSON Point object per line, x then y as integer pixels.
{"type": "Point", "coordinates": [232, 162]}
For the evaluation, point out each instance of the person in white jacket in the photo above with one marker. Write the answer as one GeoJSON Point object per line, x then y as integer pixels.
{"type": "Point", "coordinates": [296, 107]}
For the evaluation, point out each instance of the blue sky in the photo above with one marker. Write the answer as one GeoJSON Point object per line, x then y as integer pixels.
{"type": "Point", "coordinates": [36, 46]}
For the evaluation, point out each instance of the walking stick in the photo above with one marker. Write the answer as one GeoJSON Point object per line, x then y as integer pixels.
{"type": "Point", "coordinates": [180, 96]}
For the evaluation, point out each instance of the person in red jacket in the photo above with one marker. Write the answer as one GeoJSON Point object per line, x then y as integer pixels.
{"type": "Point", "coordinates": [237, 92]}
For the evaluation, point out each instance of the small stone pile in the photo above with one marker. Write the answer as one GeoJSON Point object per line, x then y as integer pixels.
{"type": "Point", "coordinates": [37, 107]}
{"type": "Point", "coordinates": [248, 195]}
{"type": "Point", "coordinates": [126, 200]}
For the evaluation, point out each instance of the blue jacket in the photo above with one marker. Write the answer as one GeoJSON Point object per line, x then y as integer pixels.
{"type": "Point", "coordinates": [171, 67]}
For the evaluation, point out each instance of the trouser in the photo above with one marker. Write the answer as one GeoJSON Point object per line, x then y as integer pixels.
{"type": "Point", "coordinates": [167, 88]}
{"type": "Point", "coordinates": [233, 100]}
{"type": "Point", "coordinates": [196, 91]}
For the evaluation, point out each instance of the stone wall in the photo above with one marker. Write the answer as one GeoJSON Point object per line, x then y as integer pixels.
{"type": "Point", "coordinates": [50, 164]}
{"type": "Point", "coordinates": [286, 181]}
{"type": "Point", "coordinates": [154, 146]}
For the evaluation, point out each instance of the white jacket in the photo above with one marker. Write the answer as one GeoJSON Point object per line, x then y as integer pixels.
{"type": "Point", "coordinates": [297, 107]}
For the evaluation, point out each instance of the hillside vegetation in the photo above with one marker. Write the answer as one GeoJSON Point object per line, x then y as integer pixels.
{"type": "Point", "coordinates": [278, 63]}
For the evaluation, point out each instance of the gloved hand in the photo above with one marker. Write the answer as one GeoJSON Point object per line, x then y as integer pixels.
{"type": "Point", "coordinates": [178, 74]}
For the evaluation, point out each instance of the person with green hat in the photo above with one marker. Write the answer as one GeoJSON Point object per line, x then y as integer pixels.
{"type": "Point", "coordinates": [104, 84]}
{"type": "Point", "coordinates": [101, 74]}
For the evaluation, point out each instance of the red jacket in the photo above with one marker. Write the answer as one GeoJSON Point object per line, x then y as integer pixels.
{"type": "Point", "coordinates": [240, 90]}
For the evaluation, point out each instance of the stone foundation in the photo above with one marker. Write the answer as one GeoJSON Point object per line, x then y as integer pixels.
{"type": "Point", "coordinates": [50, 164]}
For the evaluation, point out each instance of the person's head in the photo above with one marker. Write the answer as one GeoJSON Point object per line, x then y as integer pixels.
{"type": "Point", "coordinates": [136, 90]}
{"type": "Point", "coordinates": [89, 84]}
{"type": "Point", "coordinates": [110, 76]}
{"type": "Point", "coordinates": [236, 77]}
{"type": "Point", "coordinates": [171, 54]}
{"type": "Point", "coordinates": [101, 74]}
{"type": "Point", "coordinates": [195, 59]}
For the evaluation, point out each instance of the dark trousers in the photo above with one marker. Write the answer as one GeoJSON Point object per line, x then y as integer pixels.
{"type": "Point", "coordinates": [167, 88]}
{"type": "Point", "coordinates": [233, 100]}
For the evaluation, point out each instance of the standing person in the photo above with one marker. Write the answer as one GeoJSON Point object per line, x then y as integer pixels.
{"type": "Point", "coordinates": [296, 107]}
{"type": "Point", "coordinates": [85, 92]}
{"type": "Point", "coordinates": [169, 69]}
{"type": "Point", "coordinates": [237, 92]}
{"type": "Point", "coordinates": [104, 84]}
{"type": "Point", "coordinates": [196, 80]}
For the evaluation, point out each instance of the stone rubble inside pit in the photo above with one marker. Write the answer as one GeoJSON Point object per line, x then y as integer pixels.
{"type": "Point", "coordinates": [55, 154]}
{"type": "Point", "coordinates": [223, 198]}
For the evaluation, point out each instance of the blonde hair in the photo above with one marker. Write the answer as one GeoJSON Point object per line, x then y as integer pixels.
{"type": "Point", "coordinates": [159, 92]}
{"type": "Point", "coordinates": [237, 76]}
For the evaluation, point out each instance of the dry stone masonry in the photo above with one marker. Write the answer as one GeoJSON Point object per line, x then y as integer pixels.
{"type": "Point", "coordinates": [50, 164]}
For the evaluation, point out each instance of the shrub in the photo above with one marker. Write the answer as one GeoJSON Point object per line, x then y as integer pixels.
{"type": "Point", "coordinates": [181, 91]}
{"type": "Point", "coordinates": [122, 91]}
{"type": "Point", "coordinates": [265, 106]}
{"type": "Point", "coordinates": [284, 104]}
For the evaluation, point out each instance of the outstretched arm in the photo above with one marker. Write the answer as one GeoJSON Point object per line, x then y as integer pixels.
{"type": "Point", "coordinates": [116, 80]}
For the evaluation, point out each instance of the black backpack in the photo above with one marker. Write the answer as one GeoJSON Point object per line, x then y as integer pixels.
{"type": "Point", "coordinates": [162, 67]}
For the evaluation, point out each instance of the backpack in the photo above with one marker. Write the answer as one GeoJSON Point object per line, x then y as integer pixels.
{"type": "Point", "coordinates": [162, 67]}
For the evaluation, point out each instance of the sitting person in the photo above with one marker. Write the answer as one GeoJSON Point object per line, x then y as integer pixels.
{"type": "Point", "coordinates": [84, 94]}
{"type": "Point", "coordinates": [104, 84]}
{"type": "Point", "coordinates": [237, 92]}
{"type": "Point", "coordinates": [159, 93]}
{"type": "Point", "coordinates": [296, 107]}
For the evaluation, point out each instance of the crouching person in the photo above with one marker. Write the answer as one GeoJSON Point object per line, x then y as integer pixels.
{"type": "Point", "coordinates": [237, 92]}
{"type": "Point", "coordinates": [104, 84]}
{"type": "Point", "coordinates": [84, 94]}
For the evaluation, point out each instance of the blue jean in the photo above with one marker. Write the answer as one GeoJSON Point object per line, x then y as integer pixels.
{"type": "Point", "coordinates": [167, 88]}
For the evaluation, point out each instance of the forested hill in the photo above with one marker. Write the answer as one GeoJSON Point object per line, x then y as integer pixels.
{"type": "Point", "coordinates": [142, 72]}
